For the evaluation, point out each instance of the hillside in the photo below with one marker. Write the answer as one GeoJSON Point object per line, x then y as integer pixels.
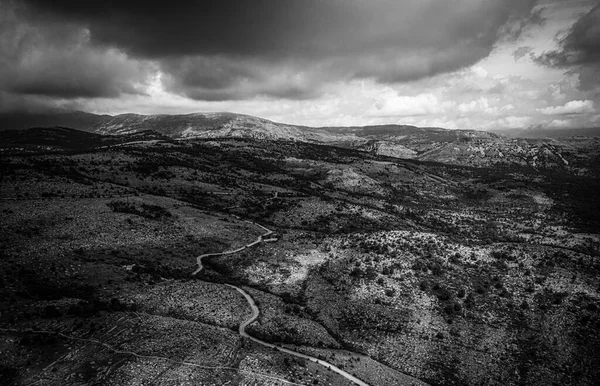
{"type": "Point", "coordinates": [75, 119]}
{"type": "Point", "coordinates": [399, 271]}
{"type": "Point", "coordinates": [460, 147]}
{"type": "Point", "coordinates": [539, 132]}
{"type": "Point", "coordinates": [62, 138]}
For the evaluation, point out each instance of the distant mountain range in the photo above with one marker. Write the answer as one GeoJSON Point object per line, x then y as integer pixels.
{"type": "Point", "coordinates": [464, 147]}
{"type": "Point", "coordinates": [199, 124]}
{"type": "Point", "coordinates": [542, 132]}
{"type": "Point", "coordinates": [75, 119]}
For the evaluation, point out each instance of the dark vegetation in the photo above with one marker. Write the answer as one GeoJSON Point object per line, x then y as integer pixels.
{"type": "Point", "coordinates": [149, 211]}
{"type": "Point", "coordinates": [479, 272]}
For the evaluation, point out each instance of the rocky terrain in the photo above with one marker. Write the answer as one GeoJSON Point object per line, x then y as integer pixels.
{"type": "Point", "coordinates": [461, 147]}
{"type": "Point", "coordinates": [401, 255]}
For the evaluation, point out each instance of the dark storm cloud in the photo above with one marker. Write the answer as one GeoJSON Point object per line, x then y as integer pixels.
{"type": "Point", "coordinates": [296, 54]}
{"type": "Point", "coordinates": [216, 78]}
{"type": "Point", "coordinates": [227, 49]}
{"type": "Point", "coordinates": [54, 58]}
{"type": "Point", "coordinates": [579, 50]}
{"type": "Point", "coordinates": [276, 28]}
{"type": "Point", "coordinates": [73, 73]}
{"type": "Point", "coordinates": [518, 24]}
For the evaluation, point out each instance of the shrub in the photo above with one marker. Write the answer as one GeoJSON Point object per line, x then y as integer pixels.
{"type": "Point", "coordinates": [470, 301]}
{"type": "Point", "coordinates": [524, 305]}
{"type": "Point", "coordinates": [84, 309]}
{"type": "Point", "coordinates": [52, 312]}
{"type": "Point", "coordinates": [502, 255]}
{"type": "Point", "coordinates": [442, 293]}
{"type": "Point", "coordinates": [153, 212]}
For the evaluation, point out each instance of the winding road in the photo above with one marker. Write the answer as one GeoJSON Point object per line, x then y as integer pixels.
{"type": "Point", "coordinates": [254, 316]}
{"type": "Point", "coordinates": [256, 312]}
{"type": "Point", "coordinates": [258, 240]}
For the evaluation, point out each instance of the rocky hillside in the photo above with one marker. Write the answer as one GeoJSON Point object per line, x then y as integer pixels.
{"type": "Point", "coordinates": [460, 147]}
{"type": "Point", "coordinates": [466, 147]}
{"type": "Point", "coordinates": [215, 125]}
{"type": "Point", "coordinates": [453, 275]}
{"type": "Point", "coordinates": [475, 150]}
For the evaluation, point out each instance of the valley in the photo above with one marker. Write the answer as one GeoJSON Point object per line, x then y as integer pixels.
{"type": "Point", "coordinates": [399, 255]}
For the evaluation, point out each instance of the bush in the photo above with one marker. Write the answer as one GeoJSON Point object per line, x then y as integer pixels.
{"type": "Point", "coordinates": [116, 305]}
{"type": "Point", "coordinates": [524, 305]}
{"type": "Point", "coordinates": [443, 293]}
{"type": "Point", "coordinates": [502, 255]}
{"type": "Point", "coordinates": [153, 212]}
{"type": "Point", "coordinates": [388, 271]}
{"type": "Point", "coordinates": [8, 375]}
{"type": "Point", "coordinates": [84, 309]}
{"type": "Point", "coordinates": [470, 301]}
{"type": "Point", "coordinates": [52, 312]}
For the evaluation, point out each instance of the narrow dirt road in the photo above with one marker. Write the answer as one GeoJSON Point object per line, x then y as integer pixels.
{"type": "Point", "coordinates": [254, 316]}
{"type": "Point", "coordinates": [255, 311]}
{"type": "Point", "coordinates": [258, 240]}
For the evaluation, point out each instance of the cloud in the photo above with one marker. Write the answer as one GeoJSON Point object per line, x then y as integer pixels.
{"type": "Point", "coordinates": [514, 122]}
{"type": "Point", "coordinates": [517, 26]}
{"type": "Point", "coordinates": [56, 59]}
{"type": "Point", "coordinates": [227, 49]}
{"type": "Point", "coordinates": [218, 78]}
{"type": "Point", "coordinates": [390, 104]}
{"type": "Point", "coordinates": [311, 62]}
{"type": "Point", "coordinates": [521, 52]}
{"type": "Point", "coordinates": [570, 108]}
{"type": "Point", "coordinates": [579, 50]}
{"type": "Point", "coordinates": [559, 123]}
{"type": "Point", "coordinates": [480, 105]}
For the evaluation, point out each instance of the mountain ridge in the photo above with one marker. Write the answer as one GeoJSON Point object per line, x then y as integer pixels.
{"type": "Point", "coordinates": [463, 147]}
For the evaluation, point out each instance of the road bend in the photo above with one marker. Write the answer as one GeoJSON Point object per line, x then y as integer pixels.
{"type": "Point", "coordinates": [254, 316]}
{"type": "Point", "coordinates": [255, 311]}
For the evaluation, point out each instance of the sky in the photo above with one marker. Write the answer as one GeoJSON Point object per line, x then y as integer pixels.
{"type": "Point", "coordinates": [457, 64]}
